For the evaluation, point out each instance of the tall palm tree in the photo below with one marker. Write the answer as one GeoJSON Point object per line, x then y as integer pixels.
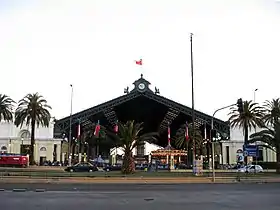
{"type": "Point", "coordinates": [6, 108]}
{"type": "Point", "coordinates": [130, 136]}
{"type": "Point", "coordinates": [32, 110]}
{"type": "Point", "coordinates": [270, 137]}
{"type": "Point", "coordinates": [271, 111]}
{"type": "Point", "coordinates": [251, 117]}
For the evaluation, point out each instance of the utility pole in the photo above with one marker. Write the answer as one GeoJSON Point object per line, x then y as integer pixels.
{"type": "Point", "coordinates": [70, 129]}
{"type": "Point", "coordinates": [193, 116]}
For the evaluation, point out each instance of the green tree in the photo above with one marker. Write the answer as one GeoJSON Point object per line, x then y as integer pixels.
{"type": "Point", "coordinates": [6, 108]}
{"type": "Point", "coordinates": [270, 137]}
{"type": "Point", "coordinates": [131, 136]}
{"type": "Point", "coordinates": [251, 117]}
{"type": "Point", "coordinates": [88, 138]}
{"type": "Point", "coordinates": [180, 138]}
{"type": "Point", "coordinates": [32, 110]}
{"type": "Point", "coordinates": [271, 111]}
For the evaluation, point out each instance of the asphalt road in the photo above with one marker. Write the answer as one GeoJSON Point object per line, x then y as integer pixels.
{"type": "Point", "coordinates": [139, 197]}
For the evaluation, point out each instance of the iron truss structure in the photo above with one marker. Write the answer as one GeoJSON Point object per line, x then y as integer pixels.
{"type": "Point", "coordinates": [141, 89]}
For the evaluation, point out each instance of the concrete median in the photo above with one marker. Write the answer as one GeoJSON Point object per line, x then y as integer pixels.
{"type": "Point", "coordinates": [124, 180]}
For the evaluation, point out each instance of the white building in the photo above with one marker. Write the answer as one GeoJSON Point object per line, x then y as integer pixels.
{"type": "Point", "coordinates": [230, 147]}
{"type": "Point", "coordinates": [17, 139]}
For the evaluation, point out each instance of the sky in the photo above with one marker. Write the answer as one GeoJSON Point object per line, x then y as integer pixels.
{"type": "Point", "coordinates": [46, 45]}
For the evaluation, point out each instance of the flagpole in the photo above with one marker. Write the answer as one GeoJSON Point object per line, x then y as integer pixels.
{"type": "Point", "coordinates": [70, 128]}
{"type": "Point", "coordinates": [193, 116]}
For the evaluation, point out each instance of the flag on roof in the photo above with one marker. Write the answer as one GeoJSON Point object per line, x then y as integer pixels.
{"type": "Point", "coordinates": [139, 62]}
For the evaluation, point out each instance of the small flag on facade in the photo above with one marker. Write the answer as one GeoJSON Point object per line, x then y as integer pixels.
{"type": "Point", "coordinates": [169, 141]}
{"type": "Point", "coordinates": [187, 132]}
{"type": "Point", "coordinates": [116, 128]}
{"type": "Point", "coordinates": [97, 129]}
{"type": "Point", "coordinates": [139, 62]}
{"type": "Point", "coordinates": [79, 131]}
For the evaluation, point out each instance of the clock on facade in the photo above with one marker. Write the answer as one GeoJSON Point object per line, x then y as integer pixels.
{"type": "Point", "coordinates": [141, 86]}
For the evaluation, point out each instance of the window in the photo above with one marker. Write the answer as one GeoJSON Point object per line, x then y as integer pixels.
{"type": "Point", "coordinates": [43, 149]}
{"type": "Point", "coordinates": [25, 134]}
{"type": "Point", "coordinates": [3, 148]}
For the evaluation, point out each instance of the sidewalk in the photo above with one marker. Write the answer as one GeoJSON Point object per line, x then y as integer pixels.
{"type": "Point", "coordinates": [135, 180]}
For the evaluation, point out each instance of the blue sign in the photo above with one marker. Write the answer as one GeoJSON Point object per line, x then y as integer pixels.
{"type": "Point", "coordinates": [251, 150]}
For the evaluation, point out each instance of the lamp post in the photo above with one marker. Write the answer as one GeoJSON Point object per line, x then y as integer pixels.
{"type": "Point", "coordinates": [193, 116]}
{"type": "Point", "coordinates": [255, 127]}
{"type": "Point", "coordinates": [70, 128]}
{"type": "Point", "coordinates": [255, 94]}
{"type": "Point", "coordinates": [212, 140]}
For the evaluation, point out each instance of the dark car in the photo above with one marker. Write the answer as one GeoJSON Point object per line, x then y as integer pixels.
{"type": "Point", "coordinates": [116, 167]}
{"type": "Point", "coordinates": [81, 167]}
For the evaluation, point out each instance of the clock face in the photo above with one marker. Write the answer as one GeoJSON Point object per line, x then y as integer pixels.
{"type": "Point", "coordinates": [141, 86]}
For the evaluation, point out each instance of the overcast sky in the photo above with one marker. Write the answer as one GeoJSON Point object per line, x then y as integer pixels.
{"type": "Point", "coordinates": [46, 45]}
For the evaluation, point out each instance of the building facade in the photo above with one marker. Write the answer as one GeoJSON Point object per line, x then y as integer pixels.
{"type": "Point", "coordinates": [17, 140]}
{"type": "Point", "coordinates": [232, 148]}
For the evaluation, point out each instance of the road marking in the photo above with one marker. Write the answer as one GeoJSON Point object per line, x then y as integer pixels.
{"type": "Point", "coordinates": [19, 190]}
{"type": "Point", "coordinates": [40, 190]}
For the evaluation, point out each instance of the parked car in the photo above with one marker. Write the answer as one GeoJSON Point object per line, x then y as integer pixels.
{"type": "Point", "coordinates": [251, 169]}
{"type": "Point", "coordinates": [81, 167]}
{"type": "Point", "coordinates": [109, 167]}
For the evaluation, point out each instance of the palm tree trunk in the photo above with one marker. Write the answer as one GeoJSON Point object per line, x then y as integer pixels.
{"type": "Point", "coordinates": [32, 142]}
{"type": "Point", "coordinates": [128, 163]}
{"type": "Point", "coordinates": [278, 159]}
{"type": "Point", "coordinates": [246, 134]}
{"type": "Point", "coordinates": [246, 138]}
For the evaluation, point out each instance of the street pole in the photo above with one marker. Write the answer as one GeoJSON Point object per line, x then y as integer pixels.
{"type": "Point", "coordinates": [212, 140]}
{"type": "Point", "coordinates": [256, 128]}
{"type": "Point", "coordinates": [70, 128]}
{"type": "Point", "coordinates": [193, 116]}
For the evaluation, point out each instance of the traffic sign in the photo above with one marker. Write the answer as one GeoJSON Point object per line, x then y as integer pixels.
{"type": "Point", "coordinates": [251, 150]}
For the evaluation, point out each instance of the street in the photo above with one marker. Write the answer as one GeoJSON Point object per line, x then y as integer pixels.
{"type": "Point", "coordinates": [142, 196]}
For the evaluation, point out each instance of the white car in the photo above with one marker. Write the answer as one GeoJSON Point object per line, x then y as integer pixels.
{"type": "Point", "coordinates": [251, 169]}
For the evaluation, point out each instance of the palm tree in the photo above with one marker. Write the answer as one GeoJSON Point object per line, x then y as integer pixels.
{"type": "Point", "coordinates": [32, 110]}
{"type": "Point", "coordinates": [182, 143]}
{"type": "Point", "coordinates": [270, 137]}
{"type": "Point", "coordinates": [180, 138]}
{"type": "Point", "coordinates": [271, 111]}
{"type": "Point", "coordinates": [250, 117]}
{"type": "Point", "coordinates": [6, 108]}
{"type": "Point", "coordinates": [130, 136]}
{"type": "Point", "coordinates": [88, 138]}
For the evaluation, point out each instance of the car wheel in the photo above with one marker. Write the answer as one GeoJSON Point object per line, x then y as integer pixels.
{"type": "Point", "coordinates": [90, 170]}
{"type": "Point", "coordinates": [71, 170]}
{"type": "Point", "coordinates": [107, 169]}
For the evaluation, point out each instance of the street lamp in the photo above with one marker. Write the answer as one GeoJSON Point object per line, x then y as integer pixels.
{"type": "Point", "coordinates": [70, 127]}
{"type": "Point", "coordinates": [193, 115]}
{"type": "Point", "coordinates": [255, 94]}
{"type": "Point", "coordinates": [211, 138]}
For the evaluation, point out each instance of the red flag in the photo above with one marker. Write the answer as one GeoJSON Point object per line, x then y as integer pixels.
{"type": "Point", "coordinates": [187, 132]}
{"type": "Point", "coordinates": [168, 135]}
{"type": "Point", "coordinates": [139, 62]}
{"type": "Point", "coordinates": [97, 129]}
{"type": "Point", "coordinates": [79, 131]}
{"type": "Point", "coordinates": [116, 127]}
